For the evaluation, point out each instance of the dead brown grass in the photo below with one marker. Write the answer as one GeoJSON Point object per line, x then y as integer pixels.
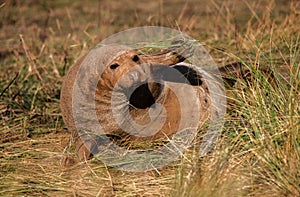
{"type": "Point", "coordinates": [258, 153]}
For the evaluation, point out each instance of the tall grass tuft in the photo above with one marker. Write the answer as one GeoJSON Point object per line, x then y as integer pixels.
{"type": "Point", "coordinates": [259, 151]}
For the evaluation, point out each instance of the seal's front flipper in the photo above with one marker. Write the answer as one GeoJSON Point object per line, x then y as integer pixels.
{"type": "Point", "coordinates": [179, 51]}
{"type": "Point", "coordinates": [165, 57]}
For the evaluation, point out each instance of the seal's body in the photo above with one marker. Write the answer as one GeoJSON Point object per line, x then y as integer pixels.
{"type": "Point", "coordinates": [123, 84]}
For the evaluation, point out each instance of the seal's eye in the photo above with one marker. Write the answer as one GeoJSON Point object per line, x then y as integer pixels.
{"type": "Point", "coordinates": [114, 66]}
{"type": "Point", "coordinates": [135, 58]}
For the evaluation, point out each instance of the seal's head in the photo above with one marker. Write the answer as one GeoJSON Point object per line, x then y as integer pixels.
{"type": "Point", "coordinates": [132, 75]}
{"type": "Point", "coordinates": [125, 69]}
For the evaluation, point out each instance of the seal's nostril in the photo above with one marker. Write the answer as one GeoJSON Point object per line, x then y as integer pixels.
{"type": "Point", "coordinates": [135, 58]}
{"type": "Point", "coordinates": [114, 66]}
{"type": "Point", "coordinates": [134, 76]}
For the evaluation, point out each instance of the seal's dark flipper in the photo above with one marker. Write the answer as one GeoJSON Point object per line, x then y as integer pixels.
{"type": "Point", "coordinates": [234, 71]}
{"type": "Point", "coordinates": [231, 72]}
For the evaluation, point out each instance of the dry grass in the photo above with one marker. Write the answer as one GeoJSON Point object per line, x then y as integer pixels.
{"type": "Point", "coordinates": [258, 153]}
